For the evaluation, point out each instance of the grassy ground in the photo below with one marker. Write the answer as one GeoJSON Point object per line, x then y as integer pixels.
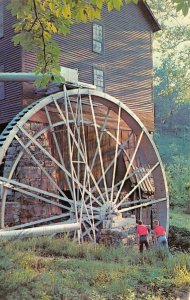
{"type": "Point", "coordinates": [179, 219]}
{"type": "Point", "coordinates": [58, 269]}
{"type": "Point", "coordinates": [50, 269]}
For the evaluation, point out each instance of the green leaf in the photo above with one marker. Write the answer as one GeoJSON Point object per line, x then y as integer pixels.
{"type": "Point", "coordinates": [110, 6]}
{"type": "Point", "coordinates": [51, 6]}
{"type": "Point", "coordinates": [67, 11]}
{"type": "Point", "coordinates": [185, 9]}
{"type": "Point", "coordinates": [117, 4]}
{"type": "Point", "coordinates": [179, 7]}
{"type": "Point", "coordinates": [90, 12]}
{"type": "Point", "coordinates": [99, 4]}
{"type": "Point", "coordinates": [16, 39]}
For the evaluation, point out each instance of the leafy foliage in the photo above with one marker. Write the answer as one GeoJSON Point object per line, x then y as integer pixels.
{"type": "Point", "coordinates": [171, 94]}
{"type": "Point", "coordinates": [172, 52]}
{"type": "Point", "coordinates": [179, 237]}
{"type": "Point", "coordinates": [172, 81]}
{"type": "Point", "coordinates": [179, 181]}
{"type": "Point", "coordinates": [182, 5]}
{"type": "Point", "coordinates": [172, 109]}
{"type": "Point", "coordinates": [175, 153]}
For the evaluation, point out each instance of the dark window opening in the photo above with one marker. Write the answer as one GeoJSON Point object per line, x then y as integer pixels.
{"type": "Point", "coordinates": [99, 79]}
{"type": "Point", "coordinates": [97, 38]}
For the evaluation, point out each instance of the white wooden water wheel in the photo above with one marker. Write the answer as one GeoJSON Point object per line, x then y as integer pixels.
{"type": "Point", "coordinates": [77, 156]}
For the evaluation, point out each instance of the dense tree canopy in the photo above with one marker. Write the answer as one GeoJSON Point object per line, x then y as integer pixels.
{"type": "Point", "coordinates": [171, 94]}
{"type": "Point", "coordinates": [172, 63]}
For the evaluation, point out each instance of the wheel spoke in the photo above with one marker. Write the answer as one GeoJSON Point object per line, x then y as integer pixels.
{"type": "Point", "coordinates": [70, 151]}
{"type": "Point", "coordinates": [40, 166]}
{"type": "Point", "coordinates": [129, 167]}
{"type": "Point", "coordinates": [109, 166]}
{"type": "Point", "coordinates": [87, 183]}
{"type": "Point", "coordinates": [76, 120]}
{"type": "Point", "coordinates": [15, 165]}
{"type": "Point", "coordinates": [122, 148]}
{"type": "Point", "coordinates": [53, 218]}
{"type": "Point", "coordinates": [53, 159]}
{"type": "Point", "coordinates": [79, 142]}
{"type": "Point", "coordinates": [96, 152]}
{"type": "Point", "coordinates": [87, 230]}
{"type": "Point", "coordinates": [9, 182]}
{"type": "Point", "coordinates": [100, 139]}
{"type": "Point", "coordinates": [84, 154]}
{"type": "Point", "coordinates": [78, 148]}
{"type": "Point", "coordinates": [116, 153]}
{"type": "Point", "coordinates": [99, 149]}
{"type": "Point", "coordinates": [58, 148]}
{"type": "Point", "coordinates": [120, 182]}
{"type": "Point", "coordinates": [137, 185]}
{"type": "Point", "coordinates": [141, 205]}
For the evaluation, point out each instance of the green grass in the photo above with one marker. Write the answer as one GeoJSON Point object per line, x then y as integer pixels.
{"type": "Point", "coordinates": [179, 219]}
{"type": "Point", "coordinates": [50, 269]}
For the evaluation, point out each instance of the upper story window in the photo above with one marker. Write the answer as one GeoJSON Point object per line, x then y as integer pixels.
{"type": "Point", "coordinates": [1, 20]}
{"type": "Point", "coordinates": [99, 79]}
{"type": "Point", "coordinates": [97, 38]}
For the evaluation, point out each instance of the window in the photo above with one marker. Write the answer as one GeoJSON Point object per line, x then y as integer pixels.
{"type": "Point", "coordinates": [1, 20]}
{"type": "Point", "coordinates": [2, 85]}
{"type": "Point", "coordinates": [99, 79]}
{"type": "Point", "coordinates": [97, 38]}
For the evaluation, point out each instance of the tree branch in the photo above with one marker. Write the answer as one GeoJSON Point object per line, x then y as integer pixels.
{"type": "Point", "coordinates": [42, 35]}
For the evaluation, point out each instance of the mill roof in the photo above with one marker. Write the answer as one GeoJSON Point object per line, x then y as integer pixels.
{"type": "Point", "coordinates": [149, 15]}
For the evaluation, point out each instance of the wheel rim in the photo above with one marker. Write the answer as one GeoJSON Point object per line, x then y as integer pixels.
{"type": "Point", "coordinates": [96, 149]}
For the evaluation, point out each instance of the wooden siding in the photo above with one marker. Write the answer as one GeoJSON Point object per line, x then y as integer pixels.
{"type": "Point", "coordinates": [126, 59]}
{"type": "Point", "coordinates": [10, 58]}
{"type": "Point", "coordinates": [1, 20]}
{"type": "Point", "coordinates": [2, 85]}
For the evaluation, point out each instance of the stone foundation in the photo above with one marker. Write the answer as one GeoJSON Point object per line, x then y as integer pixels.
{"type": "Point", "coordinates": [12, 213]}
{"type": "Point", "coordinates": [25, 208]}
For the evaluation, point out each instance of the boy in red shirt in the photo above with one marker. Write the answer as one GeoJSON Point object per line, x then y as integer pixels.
{"type": "Point", "coordinates": [160, 233]}
{"type": "Point", "coordinates": [142, 232]}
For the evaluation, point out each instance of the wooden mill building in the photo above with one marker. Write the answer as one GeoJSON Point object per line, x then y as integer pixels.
{"type": "Point", "coordinates": [90, 151]}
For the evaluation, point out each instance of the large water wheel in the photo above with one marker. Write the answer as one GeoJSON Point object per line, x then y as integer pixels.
{"type": "Point", "coordinates": [77, 156]}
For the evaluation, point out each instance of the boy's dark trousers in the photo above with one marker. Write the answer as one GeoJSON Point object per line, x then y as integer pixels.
{"type": "Point", "coordinates": [143, 240]}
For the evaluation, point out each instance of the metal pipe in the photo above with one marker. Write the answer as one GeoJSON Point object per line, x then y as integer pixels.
{"type": "Point", "coordinates": [31, 77]}
{"type": "Point", "coordinates": [19, 76]}
{"type": "Point", "coordinates": [39, 231]}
